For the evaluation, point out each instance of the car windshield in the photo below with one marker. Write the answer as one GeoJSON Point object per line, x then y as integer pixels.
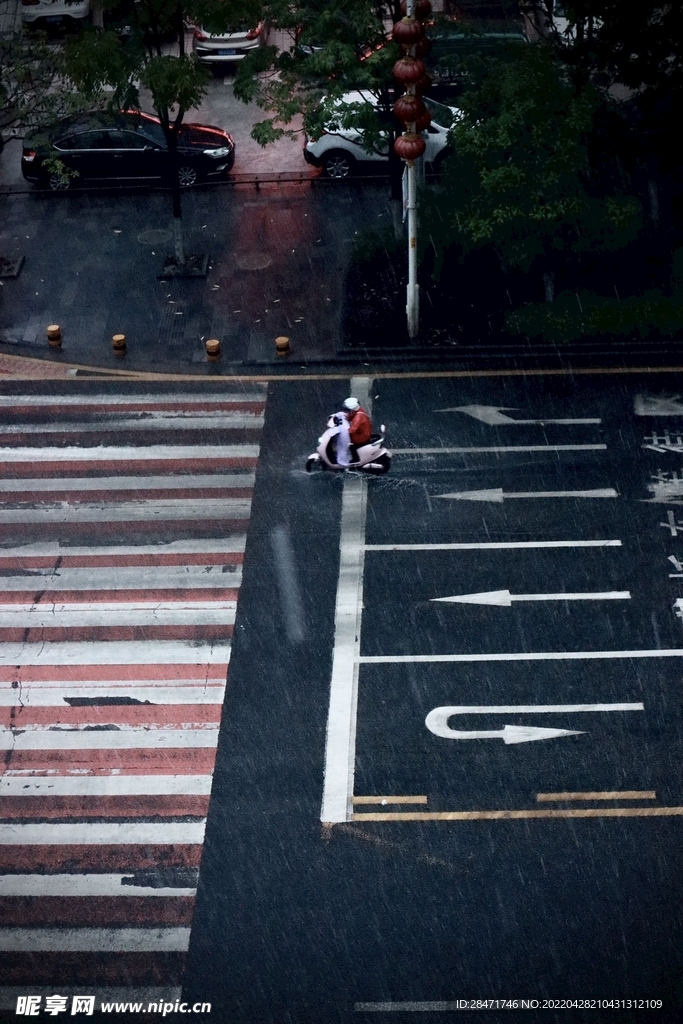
{"type": "Point", "coordinates": [440, 113]}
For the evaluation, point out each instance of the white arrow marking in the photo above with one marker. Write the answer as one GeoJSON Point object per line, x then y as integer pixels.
{"type": "Point", "coordinates": [437, 720]}
{"type": "Point", "coordinates": [492, 415]}
{"type": "Point", "coordinates": [648, 405]}
{"type": "Point", "coordinates": [503, 598]}
{"type": "Point", "coordinates": [500, 449]}
{"type": "Point", "coordinates": [509, 733]}
{"type": "Point", "coordinates": [498, 494]}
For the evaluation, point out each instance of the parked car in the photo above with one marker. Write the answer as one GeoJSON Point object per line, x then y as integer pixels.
{"type": "Point", "coordinates": [226, 48]}
{"type": "Point", "coordinates": [126, 147]}
{"type": "Point", "coordinates": [54, 11]}
{"type": "Point", "coordinates": [340, 152]}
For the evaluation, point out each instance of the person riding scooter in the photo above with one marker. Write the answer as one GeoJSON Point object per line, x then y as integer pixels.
{"type": "Point", "coordinates": [358, 433]}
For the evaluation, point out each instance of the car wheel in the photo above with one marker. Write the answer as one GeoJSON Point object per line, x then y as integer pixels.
{"type": "Point", "coordinates": [187, 176]}
{"type": "Point", "coordinates": [338, 164]}
{"type": "Point", "coordinates": [58, 183]}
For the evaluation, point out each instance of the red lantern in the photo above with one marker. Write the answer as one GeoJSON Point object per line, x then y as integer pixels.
{"type": "Point", "coordinates": [409, 146]}
{"type": "Point", "coordinates": [408, 31]}
{"type": "Point", "coordinates": [422, 84]}
{"type": "Point", "coordinates": [423, 8]}
{"type": "Point", "coordinates": [422, 48]}
{"type": "Point", "coordinates": [409, 108]}
{"type": "Point", "coordinates": [423, 122]}
{"type": "Point", "coordinates": [408, 70]}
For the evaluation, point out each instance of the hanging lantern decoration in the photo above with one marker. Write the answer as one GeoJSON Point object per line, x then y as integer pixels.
{"type": "Point", "coordinates": [408, 31]}
{"type": "Point", "coordinates": [422, 84]}
{"type": "Point", "coordinates": [407, 70]}
{"type": "Point", "coordinates": [423, 122]}
{"type": "Point", "coordinates": [423, 8]}
{"type": "Point", "coordinates": [409, 108]}
{"type": "Point", "coordinates": [422, 47]}
{"type": "Point", "coordinates": [409, 146]}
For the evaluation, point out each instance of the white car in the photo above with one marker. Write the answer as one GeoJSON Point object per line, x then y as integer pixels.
{"type": "Point", "coordinates": [228, 47]}
{"type": "Point", "coordinates": [340, 151]}
{"type": "Point", "coordinates": [53, 11]}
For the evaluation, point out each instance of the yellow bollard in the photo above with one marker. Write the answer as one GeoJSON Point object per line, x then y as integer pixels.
{"type": "Point", "coordinates": [54, 336]}
{"type": "Point", "coordinates": [282, 347]}
{"type": "Point", "coordinates": [213, 349]}
{"type": "Point", "coordinates": [118, 343]}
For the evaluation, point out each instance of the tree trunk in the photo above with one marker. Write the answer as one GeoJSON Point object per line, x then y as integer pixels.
{"type": "Point", "coordinates": [172, 143]}
{"type": "Point", "coordinates": [653, 193]}
{"type": "Point", "coordinates": [549, 286]}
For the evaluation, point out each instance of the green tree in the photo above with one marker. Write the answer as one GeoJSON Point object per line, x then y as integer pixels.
{"type": "Point", "coordinates": [519, 179]}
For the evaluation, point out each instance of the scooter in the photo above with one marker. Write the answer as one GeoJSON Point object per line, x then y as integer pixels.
{"type": "Point", "coordinates": [372, 457]}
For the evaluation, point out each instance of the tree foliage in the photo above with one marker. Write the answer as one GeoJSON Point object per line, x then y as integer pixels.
{"type": "Point", "coordinates": [519, 177]}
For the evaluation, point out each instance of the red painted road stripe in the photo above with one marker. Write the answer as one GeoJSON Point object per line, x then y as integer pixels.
{"type": "Point", "coordinates": [61, 970]}
{"type": "Point", "coordinates": [118, 531]}
{"type": "Point", "coordinates": [166, 595]}
{"type": "Point", "coordinates": [118, 561]}
{"type": "Point", "coordinates": [43, 497]}
{"type": "Point", "coordinates": [48, 808]}
{"type": "Point", "coordinates": [165, 715]}
{"type": "Point", "coordinates": [137, 761]}
{"type": "Point", "coordinates": [82, 634]}
{"type": "Point", "coordinates": [54, 408]}
{"type": "Point", "coordinates": [114, 673]}
{"type": "Point", "coordinates": [96, 911]}
{"type": "Point", "coordinates": [146, 467]}
{"type": "Point", "coordinates": [125, 858]}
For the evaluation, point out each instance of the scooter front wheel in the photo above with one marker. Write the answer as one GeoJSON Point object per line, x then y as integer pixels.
{"type": "Point", "coordinates": [380, 465]}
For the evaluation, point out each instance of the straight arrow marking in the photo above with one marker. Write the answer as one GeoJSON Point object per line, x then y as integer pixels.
{"type": "Point", "coordinates": [499, 495]}
{"type": "Point", "coordinates": [503, 598]}
{"type": "Point", "coordinates": [493, 415]}
{"type": "Point", "coordinates": [437, 720]}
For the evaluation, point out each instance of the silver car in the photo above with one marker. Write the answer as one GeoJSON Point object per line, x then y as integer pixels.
{"type": "Point", "coordinates": [228, 47]}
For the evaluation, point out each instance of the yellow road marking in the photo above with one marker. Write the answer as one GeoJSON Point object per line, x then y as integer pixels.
{"type": "Point", "coordinates": [617, 794]}
{"type": "Point", "coordinates": [575, 812]}
{"type": "Point", "coordinates": [390, 800]}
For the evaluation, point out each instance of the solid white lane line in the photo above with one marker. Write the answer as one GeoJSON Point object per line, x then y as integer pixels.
{"type": "Point", "coordinates": [100, 940]}
{"type": "Point", "coordinates": [45, 401]}
{"type": "Point", "coordinates": [341, 720]}
{"type": "Point", "coordinates": [105, 785]}
{"type": "Point", "coordinates": [497, 494]}
{"type": "Point", "coordinates": [126, 511]}
{"type": "Point", "coordinates": [383, 659]}
{"type": "Point", "coordinates": [117, 738]}
{"type": "Point", "coordinates": [493, 416]}
{"type": "Point", "coordinates": [129, 483]}
{"type": "Point", "coordinates": [103, 833]}
{"type": "Point", "coordinates": [122, 613]}
{"type": "Point", "coordinates": [116, 652]}
{"type": "Point", "coordinates": [529, 709]}
{"type": "Point", "coordinates": [55, 695]}
{"type": "Point", "coordinates": [229, 543]}
{"type": "Point", "coordinates": [502, 449]}
{"type": "Point", "coordinates": [83, 885]}
{"type": "Point", "coordinates": [504, 599]}
{"type": "Point", "coordinates": [132, 453]}
{"type": "Point", "coordinates": [217, 420]}
{"type": "Point", "coordinates": [126, 577]}
{"type": "Point", "coordinates": [497, 545]}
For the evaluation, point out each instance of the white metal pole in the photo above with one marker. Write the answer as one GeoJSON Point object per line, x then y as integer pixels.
{"type": "Point", "coordinates": [413, 294]}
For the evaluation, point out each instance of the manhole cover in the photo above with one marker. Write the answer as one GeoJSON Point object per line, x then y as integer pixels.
{"type": "Point", "coordinates": [154, 237]}
{"type": "Point", "coordinates": [254, 261]}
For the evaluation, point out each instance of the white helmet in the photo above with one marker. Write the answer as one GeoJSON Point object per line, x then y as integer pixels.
{"type": "Point", "coordinates": [352, 405]}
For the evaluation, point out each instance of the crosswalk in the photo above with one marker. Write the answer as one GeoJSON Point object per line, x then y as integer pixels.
{"type": "Point", "coordinates": [122, 538]}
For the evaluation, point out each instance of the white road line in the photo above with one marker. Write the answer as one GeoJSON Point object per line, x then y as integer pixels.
{"type": "Point", "coordinates": [497, 545]}
{"type": "Point", "coordinates": [116, 652]}
{"type": "Point", "coordinates": [60, 694]}
{"type": "Point", "coordinates": [204, 481]}
{"type": "Point", "coordinates": [497, 494]}
{"type": "Point", "coordinates": [105, 785]}
{"type": "Point", "coordinates": [126, 511]}
{"type": "Point", "coordinates": [121, 613]}
{"type": "Point", "coordinates": [529, 709]}
{"type": "Point", "coordinates": [41, 549]}
{"type": "Point", "coordinates": [388, 659]}
{"type": "Point", "coordinates": [116, 738]}
{"type": "Point", "coordinates": [125, 577]}
{"type": "Point", "coordinates": [45, 401]}
{"type": "Point", "coordinates": [103, 833]}
{"type": "Point", "coordinates": [216, 420]}
{"type": "Point", "coordinates": [501, 449]}
{"type": "Point", "coordinates": [83, 885]}
{"type": "Point", "coordinates": [95, 940]}
{"type": "Point", "coordinates": [341, 721]}
{"type": "Point", "coordinates": [493, 415]}
{"type": "Point", "coordinates": [130, 454]}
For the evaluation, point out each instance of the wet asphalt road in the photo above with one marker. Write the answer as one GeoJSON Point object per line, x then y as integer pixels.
{"type": "Point", "coordinates": [300, 922]}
